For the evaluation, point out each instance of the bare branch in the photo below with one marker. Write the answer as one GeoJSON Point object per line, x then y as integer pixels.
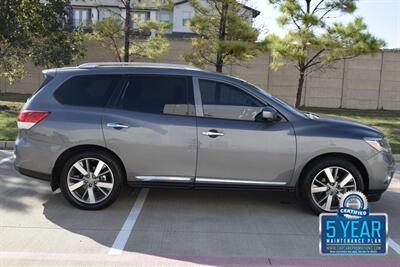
{"type": "Point", "coordinates": [316, 7]}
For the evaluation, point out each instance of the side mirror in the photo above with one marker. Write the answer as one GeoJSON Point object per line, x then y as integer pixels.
{"type": "Point", "coordinates": [269, 114]}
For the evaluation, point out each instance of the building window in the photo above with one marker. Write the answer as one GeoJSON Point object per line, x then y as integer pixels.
{"type": "Point", "coordinates": [104, 13]}
{"type": "Point", "coordinates": [165, 17]}
{"type": "Point", "coordinates": [81, 17]}
{"type": "Point", "coordinates": [185, 17]}
{"type": "Point", "coordinates": [141, 16]}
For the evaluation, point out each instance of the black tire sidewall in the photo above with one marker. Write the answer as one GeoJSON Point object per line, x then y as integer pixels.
{"type": "Point", "coordinates": [110, 161]}
{"type": "Point", "coordinates": [314, 169]}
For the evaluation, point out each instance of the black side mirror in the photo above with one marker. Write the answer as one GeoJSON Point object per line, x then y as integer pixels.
{"type": "Point", "coordinates": [269, 114]}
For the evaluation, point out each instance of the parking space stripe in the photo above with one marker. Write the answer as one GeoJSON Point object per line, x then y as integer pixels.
{"type": "Point", "coordinates": [7, 159]}
{"type": "Point", "coordinates": [130, 221]}
{"type": "Point", "coordinates": [394, 245]}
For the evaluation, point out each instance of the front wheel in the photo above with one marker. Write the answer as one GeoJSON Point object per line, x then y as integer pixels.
{"type": "Point", "coordinates": [91, 180]}
{"type": "Point", "coordinates": [324, 183]}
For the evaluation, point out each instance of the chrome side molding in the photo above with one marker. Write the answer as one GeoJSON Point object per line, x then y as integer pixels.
{"type": "Point", "coordinates": [230, 181]}
{"type": "Point", "coordinates": [164, 179]}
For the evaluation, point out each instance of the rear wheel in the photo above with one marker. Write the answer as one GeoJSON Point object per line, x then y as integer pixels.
{"type": "Point", "coordinates": [91, 179]}
{"type": "Point", "coordinates": [324, 183]}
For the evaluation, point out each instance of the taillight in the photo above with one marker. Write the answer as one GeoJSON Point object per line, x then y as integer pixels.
{"type": "Point", "coordinates": [28, 118]}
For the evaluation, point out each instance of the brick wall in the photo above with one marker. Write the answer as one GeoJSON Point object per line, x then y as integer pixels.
{"type": "Point", "coordinates": [367, 82]}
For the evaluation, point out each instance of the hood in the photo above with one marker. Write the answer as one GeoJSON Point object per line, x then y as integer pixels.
{"type": "Point", "coordinates": [346, 127]}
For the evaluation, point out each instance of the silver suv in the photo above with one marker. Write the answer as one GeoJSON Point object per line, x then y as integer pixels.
{"type": "Point", "coordinates": [94, 128]}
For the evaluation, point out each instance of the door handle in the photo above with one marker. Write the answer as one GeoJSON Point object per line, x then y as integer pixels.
{"type": "Point", "coordinates": [117, 125]}
{"type": "Point", "coordinates": [213, 133]}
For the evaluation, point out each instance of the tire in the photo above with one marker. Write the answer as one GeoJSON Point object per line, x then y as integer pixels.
{"type": "Point", "coordinates": [316, 175]}
{"type": "Point", "coordinates": [88, 191]}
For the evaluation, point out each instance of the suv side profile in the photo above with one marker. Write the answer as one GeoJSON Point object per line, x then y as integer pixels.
{"type": "Point", "coordinates": [92, 129]}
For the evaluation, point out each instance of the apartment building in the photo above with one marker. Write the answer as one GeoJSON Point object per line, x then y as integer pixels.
{"type": "Point", "coordinates": [86, 12]}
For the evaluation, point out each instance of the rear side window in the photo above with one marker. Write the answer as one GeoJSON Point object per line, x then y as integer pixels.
{"type": "Point", "coordinates": [87, 90]}
{"type": "Point", "coordinates": [159, 95]}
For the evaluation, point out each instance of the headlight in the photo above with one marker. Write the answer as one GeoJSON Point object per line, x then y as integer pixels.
{"type": "Point", "coordinates": [378, 143]}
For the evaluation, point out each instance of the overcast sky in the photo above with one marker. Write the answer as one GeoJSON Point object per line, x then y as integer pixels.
{"type": "Point", "coordinates": [381, 16]}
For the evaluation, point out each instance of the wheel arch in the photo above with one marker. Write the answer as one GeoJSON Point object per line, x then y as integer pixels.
{"type": "Point", "coordinates": [359, 165]}
{"type": "Point", "coordinates": [56, 172]}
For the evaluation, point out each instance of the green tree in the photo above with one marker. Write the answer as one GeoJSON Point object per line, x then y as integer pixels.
{"type": "Point", "coordinates": [32, 31]}
{"type": "Point", "coordinates": [225, 34]}
{"type": "Point", "coordinates": [135, 34]}
{"type": "Point", "coordinates": [110, 31]}
{"type": "Point", "coordinates": [313, 41]}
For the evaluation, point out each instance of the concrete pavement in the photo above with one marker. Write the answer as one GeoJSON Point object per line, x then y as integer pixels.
{"type": "Point", "coordinates": [173, 228]}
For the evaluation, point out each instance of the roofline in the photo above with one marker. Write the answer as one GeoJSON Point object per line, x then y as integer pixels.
{"type": "Point", "coordinates": [92, 65]}
{"type": "Point", "coordinates": [255, 11]}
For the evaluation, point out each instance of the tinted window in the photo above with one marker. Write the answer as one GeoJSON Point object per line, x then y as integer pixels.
{"type": "Point", "coordinates": [88, 90]}
{"type": "Point", "coordinates": [159, 94]}
{"type": "Point", "coordinates": [228, 102]}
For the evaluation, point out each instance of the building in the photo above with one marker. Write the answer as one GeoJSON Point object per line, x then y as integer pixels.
{"type": "Point", "coordinates": [87, 12]}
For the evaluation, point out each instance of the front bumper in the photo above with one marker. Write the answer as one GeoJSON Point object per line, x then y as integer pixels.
{"type": "Point", "coordinates": [381, 169]}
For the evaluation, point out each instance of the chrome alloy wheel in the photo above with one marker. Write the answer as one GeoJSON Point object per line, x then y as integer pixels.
{"type": "Point", "coordinates": [329, 185]}
{"type": "Point", "coordinates": [90, 180]}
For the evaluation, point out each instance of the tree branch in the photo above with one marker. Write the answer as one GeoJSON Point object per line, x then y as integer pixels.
{"type": "Point", "coordinates": [316, 7]}
{"type": "Point", "coordinates": [314, 57]}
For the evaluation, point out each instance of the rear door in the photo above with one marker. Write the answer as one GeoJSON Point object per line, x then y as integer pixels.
{"type": "Point", "coordinates": [152, 128]}
{"type": "Point", "coordinates": [236, 146]}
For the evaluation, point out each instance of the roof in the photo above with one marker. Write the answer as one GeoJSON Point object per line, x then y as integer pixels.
{"type": "Point", "coordinates": [255, 12]}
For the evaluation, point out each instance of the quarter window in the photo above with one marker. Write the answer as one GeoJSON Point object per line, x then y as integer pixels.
{"type": "Point", "coordinates": [87, 90]}
{"type": "Point", "coordinates": [224, 101]}
{"type": "Point", "coordinates": [159, 94]}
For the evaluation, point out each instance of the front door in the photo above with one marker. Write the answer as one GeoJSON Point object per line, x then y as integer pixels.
{"type": "Point", "coordinates": [152, 128]}
{"type": "Point", "coordinates": [235, 145]}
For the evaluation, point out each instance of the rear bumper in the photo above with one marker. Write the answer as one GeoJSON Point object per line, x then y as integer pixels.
{"type": "Point", "coordinates": [33, 174]}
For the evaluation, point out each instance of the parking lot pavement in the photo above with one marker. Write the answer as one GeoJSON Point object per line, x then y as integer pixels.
{"type": "Point", "coordinates": [171, 227]}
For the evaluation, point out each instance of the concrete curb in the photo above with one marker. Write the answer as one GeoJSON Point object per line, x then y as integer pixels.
{"type": "Point", "coordinates": [8, 145]}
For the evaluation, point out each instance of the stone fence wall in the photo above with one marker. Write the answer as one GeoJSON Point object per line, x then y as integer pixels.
{"type": "Point", "coordinates": [367, 82]}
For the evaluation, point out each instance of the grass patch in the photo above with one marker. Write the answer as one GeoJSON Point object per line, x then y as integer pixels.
{"type": "Point", "coordinates": [388, 121]}
{"type": "Point", "coordinates": [10, 104]}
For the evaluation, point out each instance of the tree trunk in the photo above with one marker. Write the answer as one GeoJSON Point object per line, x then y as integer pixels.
{"type": "Point", "coordinates": [127, 30]}
{"type": "Point", "coordinates": [221, 36]}
{"type": "Point", "coordinates": [300, 89]}
{"type": "Point", "coordinates": [218, 67]}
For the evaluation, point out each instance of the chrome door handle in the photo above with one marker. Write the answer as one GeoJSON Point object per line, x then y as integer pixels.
{"type": "Point", "coordinates": [117, 125]}
{"type": "Point", "coordinates": [212, 133]}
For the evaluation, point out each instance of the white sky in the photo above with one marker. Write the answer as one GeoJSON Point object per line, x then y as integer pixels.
{"type": "Point", "coordinates": [381, 16]}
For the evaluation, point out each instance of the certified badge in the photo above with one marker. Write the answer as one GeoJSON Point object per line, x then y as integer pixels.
{"type": "Point", "coordinates": [353, 230]}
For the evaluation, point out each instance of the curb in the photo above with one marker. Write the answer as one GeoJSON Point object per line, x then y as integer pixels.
{"type": "Point", "coordinates": [8, 145]}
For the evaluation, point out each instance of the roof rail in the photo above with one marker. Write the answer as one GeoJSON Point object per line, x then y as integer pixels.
{"type": "Point", "coordinates": [136, 64]}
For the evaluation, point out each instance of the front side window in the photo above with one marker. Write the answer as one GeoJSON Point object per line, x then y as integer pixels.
{"type": "Point", "coordinates": [159, 95]}
{"type": "Point", "coordinates": [224, 101]}
{"type": "Point", "coordinates": [87, 90]}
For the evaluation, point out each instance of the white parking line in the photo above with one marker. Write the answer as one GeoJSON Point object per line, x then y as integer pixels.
{"type": "Point", "coordinates": [7, 159]}
{"type": "Point", "coordinates": [394, 245]}
{"type": "Point", "coordinates": [124, 233]}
